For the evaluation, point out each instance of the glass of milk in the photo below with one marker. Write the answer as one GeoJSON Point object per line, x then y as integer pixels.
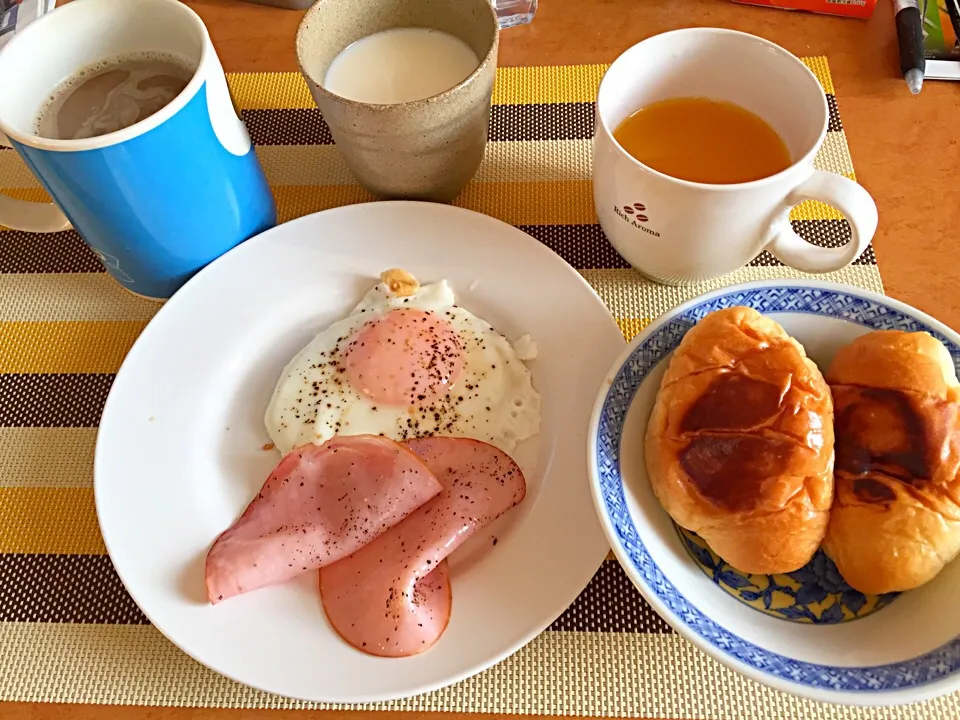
{"type": "Point", "coordinates": [405, 87]}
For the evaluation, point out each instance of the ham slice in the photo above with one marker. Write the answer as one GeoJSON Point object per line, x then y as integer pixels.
{"type": "Point", "coordinates": [391, 598]}
{"type": "Point", "coordinates": [320, 504]}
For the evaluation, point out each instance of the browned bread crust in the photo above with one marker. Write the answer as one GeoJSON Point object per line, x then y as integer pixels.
{"type": "Point", "coordinates": [739, 447]}
{"type": "Point", "coordinates": [896, 518]}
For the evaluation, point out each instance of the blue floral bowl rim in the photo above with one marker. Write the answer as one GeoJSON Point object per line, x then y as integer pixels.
{"type": "Point", "coordinates": [935, 673]}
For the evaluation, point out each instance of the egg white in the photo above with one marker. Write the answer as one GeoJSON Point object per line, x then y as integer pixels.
{"type": "Point", "coordinates": [493, 400]}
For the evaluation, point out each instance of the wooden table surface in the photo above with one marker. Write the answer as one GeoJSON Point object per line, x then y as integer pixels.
{"type": "Point", "coordinates": [905, 150]}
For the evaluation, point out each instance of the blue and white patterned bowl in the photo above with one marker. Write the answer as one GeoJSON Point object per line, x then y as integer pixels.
{"type": "Point", "coordinates": [905, 651]}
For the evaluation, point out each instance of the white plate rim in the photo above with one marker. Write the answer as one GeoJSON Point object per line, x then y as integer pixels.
{"type": "Point", "coordinates": [170, 306]}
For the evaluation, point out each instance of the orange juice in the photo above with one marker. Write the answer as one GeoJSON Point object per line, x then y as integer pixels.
{"type": "Point", "coordinates": [703, 140]}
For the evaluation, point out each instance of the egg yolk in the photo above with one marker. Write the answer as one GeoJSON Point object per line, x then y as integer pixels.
{"type": "Point", "coordinates": [406, 357]}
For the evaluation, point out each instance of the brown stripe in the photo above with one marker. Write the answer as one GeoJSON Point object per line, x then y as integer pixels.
{"type": "Point", "coordinates": [64, 589]}
{"type": "Point", "coordinates": [287, 127]}
{"type": "Point", "coordinates": [541, 121]}
{"type": "Point", "coordinates": [86, 589]}
{"type": "Point", "coordinates": [868, 257]}
{"type": "Point", "coordinates": [834, 114]}
{"type": "Point", "coordinates": [611, 603]}
{"type": "Point", "coordinates": [587, 247]}
{"type": "Point", "coordinates": [825, 233]}
{"type": "Point", "coordinates": [60, 252]}
{"type": "Point", "coordinates": [60, 400]}
{"type": "Point", "coordinates": [583, 246]}
{"type": "Point", "coordinates": [548, 121]}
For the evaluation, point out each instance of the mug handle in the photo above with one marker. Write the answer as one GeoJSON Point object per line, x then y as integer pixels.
{"type": "Point", "coordinates": [850, 199]}
{"type": "Point", "coordinates": [30, 216]}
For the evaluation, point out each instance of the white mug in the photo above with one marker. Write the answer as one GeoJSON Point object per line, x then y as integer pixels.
{"type": "Point", "coordinates": [679, 232]}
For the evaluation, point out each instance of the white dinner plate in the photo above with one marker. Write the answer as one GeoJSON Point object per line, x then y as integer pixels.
{"type": "Point", "coordinates": [180, 450]}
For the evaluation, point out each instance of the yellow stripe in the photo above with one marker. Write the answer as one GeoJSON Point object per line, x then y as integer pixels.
{"type": "Point", "coordinates": [540, 203]}
{"type": "Point", "coordinates": [264, 91]}
{"type": "Point", "coordinates": [580, 83]}
{"type": "Point", "coordinates": [516, 203]}
{"type": "Point", "coordinates": [818, 64]}
{"type": "Point", "coordinates": [65, 347]}
{"type": "Point", "coordinates": [815, 210]}
{"type": "Point", "coordinates": [14, 173]}
{"type": "Point", "coordinates": [33, 194]}
{"type": "Point", "coordinates": [551, 84]}
{"type": "Point", "coordinates": [631, 327]}
{"type": "Point", "coordinates": [49, 520]}
{"type": "Point", "coordinates": [514, 85]}
{"type": "Point", "coordinates": [295, 201]}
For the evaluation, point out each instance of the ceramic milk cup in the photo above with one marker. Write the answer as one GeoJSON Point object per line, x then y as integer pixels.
{"type": "Point", "coordinates": [423, 150]}
{"type": "Point", "coordinates": [679, 232]}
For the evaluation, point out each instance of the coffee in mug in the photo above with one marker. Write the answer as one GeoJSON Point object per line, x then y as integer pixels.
{"type": "Point", "coordinates": [111, 95]}
{"type": "Point", "coordinates": [703, 140]}
{"type": "Point", "coordinates": [141, 149]}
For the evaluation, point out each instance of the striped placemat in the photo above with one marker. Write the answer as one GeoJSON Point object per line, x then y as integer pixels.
{"type": "Point", "coordinates": [68, 630]}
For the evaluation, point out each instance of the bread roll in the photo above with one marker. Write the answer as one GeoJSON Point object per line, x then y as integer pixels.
{"type": "Point", "coordinates": [739, 448]}
{"type": "Point", "coordinates": [896, 518]}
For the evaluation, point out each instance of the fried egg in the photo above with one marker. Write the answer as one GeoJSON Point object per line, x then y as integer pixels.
{"type": "Point", "coordinates": [407, 362]}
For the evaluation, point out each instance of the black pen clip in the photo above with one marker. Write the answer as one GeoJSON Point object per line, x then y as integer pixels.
{"type": "Point", "coordinates": [953, 10]}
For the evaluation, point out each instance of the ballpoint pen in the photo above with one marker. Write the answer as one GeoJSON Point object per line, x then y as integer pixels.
{"type": "Point", "coordinates": [953, 10]}
{"type": "Point", "coordinates": [910, 41]}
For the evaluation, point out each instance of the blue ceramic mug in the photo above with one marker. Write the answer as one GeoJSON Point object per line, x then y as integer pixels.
{"type": "Point", "coordinates": [157, 200]}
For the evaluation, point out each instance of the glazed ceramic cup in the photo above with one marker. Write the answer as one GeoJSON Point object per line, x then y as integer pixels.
{"type": "Point", "coordinates": [158, 200]}
{"type": "Point", "coordinates": [679, 232]}
{"type": "Point", "coordinates": [422, 150]}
